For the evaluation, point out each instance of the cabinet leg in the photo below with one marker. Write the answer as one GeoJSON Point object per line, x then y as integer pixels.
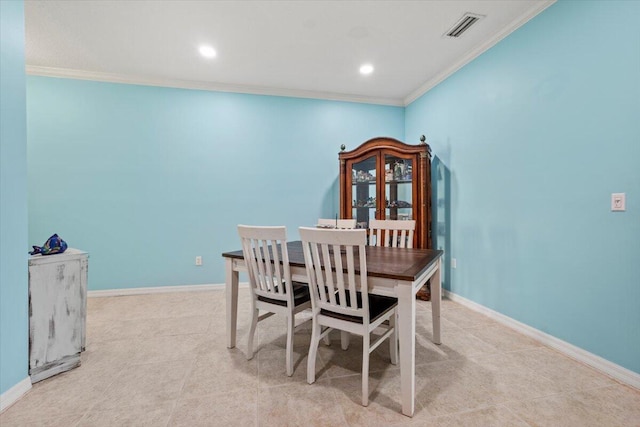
{"type": "Point", "coordinates": [424, 293]}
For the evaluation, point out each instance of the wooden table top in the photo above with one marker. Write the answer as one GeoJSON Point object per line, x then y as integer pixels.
{"type": "Point", "coordinates": [390, 263]}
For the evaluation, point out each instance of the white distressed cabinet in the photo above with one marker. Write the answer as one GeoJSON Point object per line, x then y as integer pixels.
{"type": "Point", "coordinates": [57, 312]}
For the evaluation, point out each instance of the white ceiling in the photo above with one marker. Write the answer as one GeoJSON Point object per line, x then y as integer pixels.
{"type": "Point", "coordinates": [295, 48]}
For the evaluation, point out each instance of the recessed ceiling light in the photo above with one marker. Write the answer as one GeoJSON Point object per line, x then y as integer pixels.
{"type": "Point", "coordinates": [366, 69]}
{"type": "Point", "coordinates": [207, 51]}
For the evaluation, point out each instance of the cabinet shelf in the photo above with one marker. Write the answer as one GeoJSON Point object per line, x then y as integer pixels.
{"type": "Point", "coordinates": [403, 181]}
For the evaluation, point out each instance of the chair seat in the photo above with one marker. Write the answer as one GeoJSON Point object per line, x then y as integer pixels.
{"type": "Point", "coordinates": [300, 295]}
{"type": "Point", "coordinates": [378, 305]}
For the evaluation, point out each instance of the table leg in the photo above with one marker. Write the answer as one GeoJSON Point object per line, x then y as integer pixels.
{"type": "Point", "coordinates": [407, 337]}
{"type": "Point", "coordinates": [436, 298]}
{"type": "Point", "coordinates": [231, 289]}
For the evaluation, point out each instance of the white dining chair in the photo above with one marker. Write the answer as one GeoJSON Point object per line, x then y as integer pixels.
{"type": "Point", "coordinates": [393, 233]}
{"type": "Point", "coordinates": [339, 223]}
{"type": "Point", "coordinates": [272, 290]}
{"type": "Point", "coordinates": [340, 299]}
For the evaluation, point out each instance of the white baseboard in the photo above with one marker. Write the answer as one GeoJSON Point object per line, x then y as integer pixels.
{"type": "Point", "coordinates": [14, 394]}
{"type": "Point", "coordinates": [159, 290]}
{"type": "Point", "coordinates": [617, 372]}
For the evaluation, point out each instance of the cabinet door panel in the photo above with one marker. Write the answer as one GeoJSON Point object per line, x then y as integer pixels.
{"type": "Point", "coordinates": [398, 186]}
{"type": "Point", "coordinates": [364, 190]}
{"type": "Point", "coordinates": [56, 311]}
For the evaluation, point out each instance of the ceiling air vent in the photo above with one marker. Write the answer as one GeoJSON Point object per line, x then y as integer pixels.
{"type": "Point", "coordinates": [463, 24]}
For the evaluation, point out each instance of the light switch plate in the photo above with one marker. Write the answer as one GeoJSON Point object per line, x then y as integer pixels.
{"type": "Point", "coordinates": [618, 202]}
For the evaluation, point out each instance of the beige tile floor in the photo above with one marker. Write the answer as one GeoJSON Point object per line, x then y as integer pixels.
{"type": "Point", "coordinates": [161, 360]}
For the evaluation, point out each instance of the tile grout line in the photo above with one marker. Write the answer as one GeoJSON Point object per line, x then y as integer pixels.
{"type": "Point", "coordinates": [516, 415]}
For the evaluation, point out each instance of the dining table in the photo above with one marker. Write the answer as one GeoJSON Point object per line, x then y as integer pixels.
{"type": "Point", "coordinates": [394, 272]}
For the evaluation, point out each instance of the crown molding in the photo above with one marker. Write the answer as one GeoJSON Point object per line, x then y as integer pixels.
{"type": "Point", "coordinates": [474, 53]}
{"type": "Point", "coordinates": [67, 73]}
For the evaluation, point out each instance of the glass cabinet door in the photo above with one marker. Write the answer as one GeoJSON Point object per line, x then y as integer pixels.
{"type": "Point", "coordinates": [364, 191]}
{"type": "Point", "coordinates": [384, 178]}
{"type": "Point", "coordinates": [398, 187]}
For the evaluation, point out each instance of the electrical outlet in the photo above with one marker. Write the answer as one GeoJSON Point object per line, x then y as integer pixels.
{"type": "Point", "coordinates": [198, 260]}
{"type": "Point", "coordinates": [618, 201]}
{"type": "Point", "coordinates": [454, 263]}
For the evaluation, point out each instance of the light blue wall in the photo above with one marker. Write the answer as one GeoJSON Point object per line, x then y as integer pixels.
{"type": "Point", "coordinates": [147, 178]}
{"type": "Point", "coordinates": [535, 135]}
{"type": "Point", "coordinates": [14, 321]}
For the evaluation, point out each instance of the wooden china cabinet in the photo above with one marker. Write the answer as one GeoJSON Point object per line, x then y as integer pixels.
{"type": "Point", "coordinates": [387, 179]}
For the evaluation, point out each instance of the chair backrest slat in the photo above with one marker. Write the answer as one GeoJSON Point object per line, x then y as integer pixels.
{"type": "Point", "coordinates": [332, 278]}
{"type": "Point", "coordinates": [315, 255]}
{"type": "Point", "coordinates": [351, 273]}
{"type": "Point", "coordinates": [337, 261]}
{"type": "Point", "coordinates": [265, 252]}
{"type": "Point", "coordinates": [328, 275]}
{"type": "Point", "coordinates": [394, 233]}
{"type": "Point", "coordinates": [266, 276]}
